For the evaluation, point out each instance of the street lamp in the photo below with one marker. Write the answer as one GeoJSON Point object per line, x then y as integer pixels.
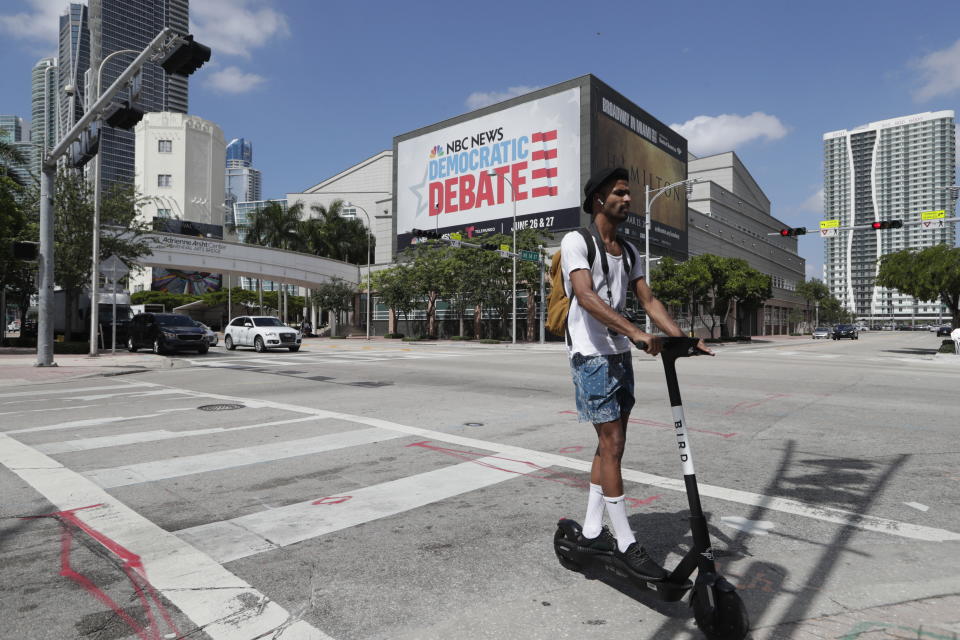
{"type": "Point", "coordinates": [648, 202]}
{"type": "Point", "coordinates": [369, 230]}
{"type": "Point", "coordinates": [95, 270]}
{"type": "Point", "coordinates": [513, 196]}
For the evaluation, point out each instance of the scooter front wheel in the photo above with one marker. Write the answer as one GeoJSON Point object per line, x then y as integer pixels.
{"type": "Point", "coordinates": [725, 620]}
{"type": "Point", "coordinates": [565, 561]}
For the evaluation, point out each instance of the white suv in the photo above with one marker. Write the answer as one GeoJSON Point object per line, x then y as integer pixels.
{"type": "Point", "coordinates": [261, 333]}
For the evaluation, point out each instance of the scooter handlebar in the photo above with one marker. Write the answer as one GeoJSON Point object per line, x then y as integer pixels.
{"type": "Point", "coordinates": [674, 347]}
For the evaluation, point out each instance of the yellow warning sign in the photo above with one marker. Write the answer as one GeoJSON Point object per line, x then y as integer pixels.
{"type": "Point", "coordinates": [829, 224]}
{"type": "Point", "coordinates": [933, 215]}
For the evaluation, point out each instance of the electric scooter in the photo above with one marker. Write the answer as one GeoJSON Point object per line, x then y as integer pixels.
{"type": "Point", "coordinates": [718, 610]}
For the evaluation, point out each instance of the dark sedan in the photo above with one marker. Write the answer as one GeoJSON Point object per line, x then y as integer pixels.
{"type": "Point", "coordinates": [945, 330]}
{"type": "Point", "coordinates": [845, 331]}
{"type": "Point", "coordinates": [165, 332]}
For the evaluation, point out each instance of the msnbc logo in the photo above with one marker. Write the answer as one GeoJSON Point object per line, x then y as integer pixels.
{"type": "Point", "coordinates": [436, 151]}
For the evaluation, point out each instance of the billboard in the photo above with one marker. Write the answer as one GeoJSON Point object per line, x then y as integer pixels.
{"type": "Point", "coordinates": [464, 177]}
{"type": "Point", "coordinates": [623, 134]}
{"type": "Point", "coordinates": [189, 282]}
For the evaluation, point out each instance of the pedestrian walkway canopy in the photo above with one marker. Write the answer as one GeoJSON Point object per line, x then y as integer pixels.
{"type": "Point", "coordinates": [191, 253]}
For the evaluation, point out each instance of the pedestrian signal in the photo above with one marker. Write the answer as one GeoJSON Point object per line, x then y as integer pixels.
{"type": "Point", "coordinates": [887, 224]}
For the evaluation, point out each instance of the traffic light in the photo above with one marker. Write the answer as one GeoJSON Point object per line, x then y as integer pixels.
{"type": "Point", "coordinates": [424, 233]}
{"type": "Point", "coordinates": [798, 231]}
{"type": "Point", "coordinates": [25, 251]}
{"type": "Point", "coordinates": [186, 58]}
{"type": "Point", "coordinates": [122, 115]}
{"type": "Point", "coordinates": [887, 224]}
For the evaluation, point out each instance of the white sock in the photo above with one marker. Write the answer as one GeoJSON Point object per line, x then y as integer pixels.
{"type": "Point", "coordinates": [617, 510]}
{"type": "Point", "coordinates": [593, 521]}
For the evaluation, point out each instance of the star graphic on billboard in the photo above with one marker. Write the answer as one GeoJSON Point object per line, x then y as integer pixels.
{"type": "Point", "coordinates": [417, 190]}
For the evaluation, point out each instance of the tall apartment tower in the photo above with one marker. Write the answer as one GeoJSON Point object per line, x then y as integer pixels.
{"type": "Point", "coordinates": [44, 109]}
{"type": "Point", "coordinates": [15, 132]}
{"type": "Point", "coordinates": [73, 63]}
{"type": "Point", "coordinates": [242, 180]}
{"type": "Point", "coordinates": [891, 169]}
{"type": "Point", "coordinates": [132, 24]}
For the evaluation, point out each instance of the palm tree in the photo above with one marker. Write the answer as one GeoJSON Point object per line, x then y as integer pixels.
{"type": "Point", "coordinates": [332, 236]}
{"type": "Point", "coordinates": [276, 226]}
{"type": "Point", "coordinates": [10, 155]}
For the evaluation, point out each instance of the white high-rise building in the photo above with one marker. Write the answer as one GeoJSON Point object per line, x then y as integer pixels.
{"type": "Point", "coordinates": [178, 164]}
{"type": "Point", "coordinates": [893, 169]}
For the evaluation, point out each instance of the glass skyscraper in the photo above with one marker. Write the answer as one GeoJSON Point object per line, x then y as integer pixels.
{"type": "Point", "coordinates": [240, 154]}
{"type": "Point", "coordinates": [242, 180]}
{"type": "Point", "coordinates": [132, 24]}
{"type": "Point", "coordinates": [73, 63]}
{"type": "Point", "coordinates": [44, 110]}
{"type": "Point", "coordinates": [888, 170]}
{"type": "Point", "coordinates": [14, 132]}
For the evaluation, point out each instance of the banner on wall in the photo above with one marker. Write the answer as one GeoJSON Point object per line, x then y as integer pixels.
{"type": "Point", "coordinates": [475, 177]}
{"type": "Point", "coordinates": [179, 281]}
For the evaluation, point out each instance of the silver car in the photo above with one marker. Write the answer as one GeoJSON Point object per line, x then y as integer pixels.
{"type": "Point", "coordinates": [821, 332]}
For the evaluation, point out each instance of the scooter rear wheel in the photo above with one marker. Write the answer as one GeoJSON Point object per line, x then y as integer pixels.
{"type": "Point", "coordinates": [565, 562]}
{"type": "Point", "coordinates": [726, 621]}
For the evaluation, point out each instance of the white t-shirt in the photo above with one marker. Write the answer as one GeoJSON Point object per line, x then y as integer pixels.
{"type": "Point", "coordinates": [589, 336]}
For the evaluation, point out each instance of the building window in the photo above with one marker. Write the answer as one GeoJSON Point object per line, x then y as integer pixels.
{"type": "Point", "coordinates": [348, 213]}
{"type": "Point", "coordinates": [165, 146]}
{"type": "Point", "coordinates": [163, 213]}
{"type": "Point", "coordinates": [163, 180]}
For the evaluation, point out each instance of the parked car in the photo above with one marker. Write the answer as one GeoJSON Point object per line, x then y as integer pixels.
{"type": "Point", "coordinates": [165, 332]}
{"type": "Point", "coordinates": [261, 333]}
{"type": "Point", "coordinates": [209, 334]}
{"type": "Point", "coordinates": [821, 332]}
{"type": "Point", "coordinates": [845, 331]}
{"type": "Point", "coordinates": [945, 330]}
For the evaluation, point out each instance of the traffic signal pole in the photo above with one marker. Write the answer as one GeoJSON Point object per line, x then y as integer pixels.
{"type": "Point", "coordinates": [165, 41]}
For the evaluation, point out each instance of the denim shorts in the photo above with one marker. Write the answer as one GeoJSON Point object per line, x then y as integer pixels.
{"type": "Point", "coordinates": [604, 386]}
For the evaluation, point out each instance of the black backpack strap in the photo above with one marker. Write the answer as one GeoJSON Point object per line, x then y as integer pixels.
{"type": "Point", "coordinates": [629, 257]}
{"type": "Point", "coordinates": [591, 256]}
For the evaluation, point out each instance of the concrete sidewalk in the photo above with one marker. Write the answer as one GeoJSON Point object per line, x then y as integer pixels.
{"type": "Point", "coordinates": [17, 366]}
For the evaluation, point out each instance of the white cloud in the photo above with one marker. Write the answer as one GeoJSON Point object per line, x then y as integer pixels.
{"type": "Point", "coordinates": [714, 134]}
{"type": "Point", "coordinates": [814, 203]}
{"type": "Point", "coordinates": [234, 27]}
{"type": "Point", "coordinates": [40, 21]}
{"type": "Point", "coordinates": [479, 99]}
{"type": "Point", "coordinates": [234, 80]}
{"type": "Point", "coordinates": [940, 73]}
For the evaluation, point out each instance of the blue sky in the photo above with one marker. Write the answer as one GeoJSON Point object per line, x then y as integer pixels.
{"type": "Point", "coordinates": [317, 85]}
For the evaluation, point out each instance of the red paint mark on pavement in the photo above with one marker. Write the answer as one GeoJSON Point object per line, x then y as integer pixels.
{"type": "Point", "coordinates": [637, 502]}
{"type": "Point", "coordinates": [574, 449]}
{"type": "Point", "coordinates": [332, 500]}
{"type": "Point", "coordinates": [130, 564]}
{"type": "Point", "coordinates": [746, 404]}
{"type": "Point", "coordinates": [664, 425]}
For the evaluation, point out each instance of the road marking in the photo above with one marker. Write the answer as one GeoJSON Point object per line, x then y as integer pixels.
{"type": "Point", "coordinates": [232, 458]}
{"type": "Point", "coordinates": [60, 391]}
{"type": "Point", "coordinates": [103, 442]}
{"type": "Point", "coordinates": [81, 424]}
{"type": "Point", "coordinates": [82, 406]}
{"type": "Point", "coordinates": [917, 506]}
{"type": "Point", "coordinates": [759, 527]}
{"type": "Point", "coordinates": [132, 394]}
{"type": "Point", "coordinates": [223, 605]}
{"type": "Point", "coordinates": [251, 534]}
{"type": "Point", "coordinates": [784, 505]}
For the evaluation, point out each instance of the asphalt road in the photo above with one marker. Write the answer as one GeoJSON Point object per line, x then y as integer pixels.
{"type": "Point", "coordinates": [411, 491]}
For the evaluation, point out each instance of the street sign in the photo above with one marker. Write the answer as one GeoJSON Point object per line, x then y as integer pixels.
{"type": "Point", "coordinates": [113, 268]}
{"type": "Point", "coordinates": [504, 247]}
{"type": "Point", "coordinates": [828, 228]}
{"type": "Point", "coordinates": [455, 243]}
{"type": "Point", "coordinates": [932, 219]}
{"type": "Point", "coordinates": [529, 256]}
{"type": "Point", "coordinates": [456, 236]}
{"type": "Point", "coordinates": [504, 253]}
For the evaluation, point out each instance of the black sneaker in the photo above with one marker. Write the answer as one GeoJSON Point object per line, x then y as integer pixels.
{"type": "Point", "coordinates": [604, 543]}
{"type": "Point", "coordinates": [637, 560]}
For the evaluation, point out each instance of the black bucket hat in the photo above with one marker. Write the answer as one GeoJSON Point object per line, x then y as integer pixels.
{"type": "Point", "coordinates": [597, 180]}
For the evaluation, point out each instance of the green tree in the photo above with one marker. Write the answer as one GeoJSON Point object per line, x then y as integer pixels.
{"type": "Point", "coordinates": [276, 226]}
{"type": "Point", "coordinates": [929, 274]}
{"type": "Point", "coordinates": [73, 234]}
{"type": "Point", "coordinates": [10, 155]}
{"type": "Point", "coordinates": [396, 289]}
{"type": "Point", "coordinates": [331, 235]}
{"type": "Point", "coordinates": [813, 291]}
{"type": "Point", "coordinates": [336, 296]}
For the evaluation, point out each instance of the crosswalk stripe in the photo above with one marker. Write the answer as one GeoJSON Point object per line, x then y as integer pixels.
{"type": "Point", "coordinates": [60, 391]}
{"type": "Point", "coordinates": [81, 424]}
{"type": "Point", "coordinates": [251, 534]}
{"type": "Point", "coordinates": [216, 461]}
{"type": "Point", "coordinates": [120, 439]}
{"type": "Point", "coordinates": [217, 601]}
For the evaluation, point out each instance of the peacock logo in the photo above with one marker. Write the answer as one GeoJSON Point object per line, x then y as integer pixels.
{"type": "Point", "coordinates": [436, 151]}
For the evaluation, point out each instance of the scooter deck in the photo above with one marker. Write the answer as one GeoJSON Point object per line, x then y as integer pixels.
{"type": "Point", "coordinates": [576, 558]}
